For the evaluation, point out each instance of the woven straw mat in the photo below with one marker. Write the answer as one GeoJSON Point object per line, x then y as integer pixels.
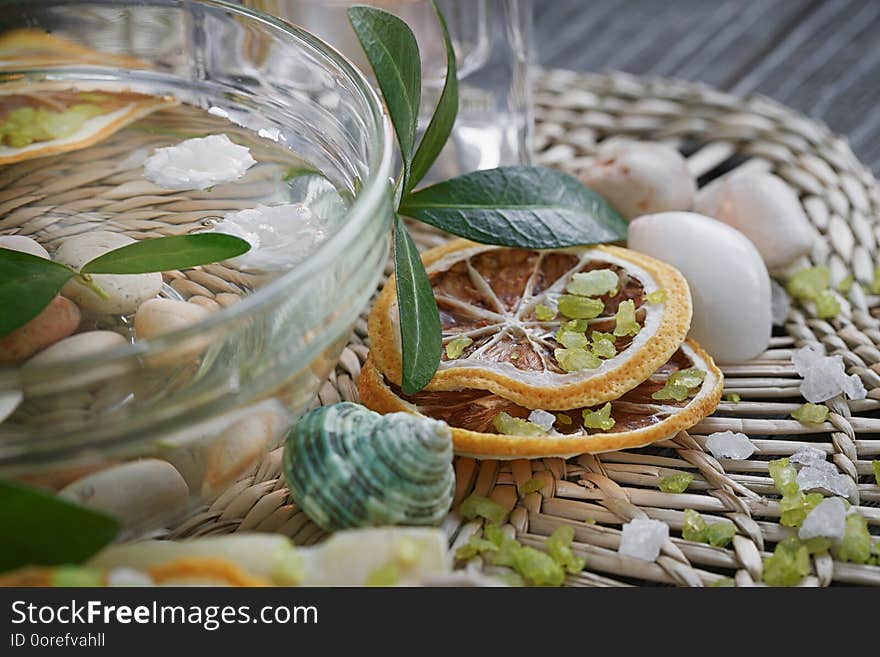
{"type": "Point", "coordinates": [597, 494]}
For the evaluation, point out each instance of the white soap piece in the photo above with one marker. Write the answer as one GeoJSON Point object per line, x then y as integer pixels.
{"type": "Point", "coordinates": [780, 303]}
{"type": "Point", "coordinates": [280, 235]}
{"type": "Point", "coordinates": [825, 477]}
{"type": "Point", "coordinates": [642, 538]}
{"type": "Point", "coordinates": [827, 519]}
{"type": "Point", "coordinates": [728, 280]}
{"type": "Point", "coordinates": [24, 245]}
{"type": "Point", "coordinates": [198, 163]}
{"type": "Point", "coordinates": [825, 376]}
{"type": "Point", "coordinates": [125, 292]}
{"type": "Point", "coordinates": [730, 445]}
{"type": "Point", "coordinates": [764, 208]}
{"type": "Point", "coordinates": [808, 456]}
{"type": "Point", "coordinates": [543, 419]}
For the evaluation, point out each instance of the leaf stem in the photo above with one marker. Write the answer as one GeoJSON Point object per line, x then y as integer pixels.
{"type": "Point", "coordinates": [90, 283]}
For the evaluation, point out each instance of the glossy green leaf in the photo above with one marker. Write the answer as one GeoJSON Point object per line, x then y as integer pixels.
{"type": "Point", "coordinates": [420, 334]}
{"type": "Point", "coordinates": [28, 284]}
{"type": "Point", "coordinates": [528, 207]}
{"type": "Point", "coordinates": [393, 54]}
{"type": "Point", "coordinates": [443, 119]}
{"type": "Point", "coordinates": [42, 529]}
{"type": "Point", "coordinates": [168, 253]}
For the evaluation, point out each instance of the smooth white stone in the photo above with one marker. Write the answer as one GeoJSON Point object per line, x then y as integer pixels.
{"type": "Point", "coordinates": [638, 177]}
{"type": "Point", "coordinates": [764, 208]}
{"type": "Point", "coordinates": [728, 280]}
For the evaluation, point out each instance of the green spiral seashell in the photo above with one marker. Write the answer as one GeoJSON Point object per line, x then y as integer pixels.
{"type": "Point", "coordinates": [347, 466]}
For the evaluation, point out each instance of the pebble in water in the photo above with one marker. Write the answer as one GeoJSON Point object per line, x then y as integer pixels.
{"type": "Point", "coordinates": [827, 519]}
{"type": "Point", "coordinates": [157, 317]}
{"type": "Point", "coordinates": [825, 376]}
{"type": "Point", "coordinates": [135, 492]}
{"type": "Point", "coordinates": [730, 445]}
{"type": "Point", "coordinates": [56, 321]}
{"type": "Point", "coordinates": [642, 538]}
{"type": "Point", "coordinates": [23, 244]}
{"type": "Point", "coordinates": [125, 292]}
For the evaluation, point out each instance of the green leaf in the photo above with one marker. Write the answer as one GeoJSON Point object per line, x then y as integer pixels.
{"type": "Point", "coordinates": [420, 334]}
{"type": "Point", "coordinates": [393, 54]}
{"type": "Point", "coordinates": [528, 207]}
{"type": "Point", "coordinates": [28, 284]}
{"type": "Point", "coordinates": [443, 119]}
{"type": "Point", "coordinates": [42, 529]}
{"type": "Point", "coordinates": [166, 253]}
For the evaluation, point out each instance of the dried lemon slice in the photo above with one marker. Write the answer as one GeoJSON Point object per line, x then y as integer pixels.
{"type": "Point", "coordinates": [29, 48]}
{"type": "Point", "coordinates": [638, 419]}
{"type": "Point", "coordinates": [45, 119]}
{"type": "Point", "coordinates": [501, 299]}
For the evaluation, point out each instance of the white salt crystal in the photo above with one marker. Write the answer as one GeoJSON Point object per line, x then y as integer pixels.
{"type": "Point", "coordinates": [824, 476]}
{"type": "Point", "coordinates": [270, 133]}
{"type": "Point", "coordinates": [279, 235]}
{"type": "Point", "coordinates": [198, 163]}
{"type": "Point", "coordinates": [730, 445]}
{"type": "Point", "coordinates": [825, 376]}
{"type": "Point", "coordinates": [543, 419]}
{"type": "Point", "coordinates": [124, 576]}
{"type": "Point", "coordinates": [642, 538]}
{"type": "Point", "coordinates": [780, 304]}
{"type": "Point", "coordinates": [218, 111]}
{"type": "Point", "coordinates": [827, 519]}
{"type": "Point", "coordinates": [808, 456]}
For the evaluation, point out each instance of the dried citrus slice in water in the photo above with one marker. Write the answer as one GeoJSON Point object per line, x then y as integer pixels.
{"type": "Point", "coordinates": [546, 329]}
{"type": "Point", "coordinates": [637, 418]}
{"type": "Point", "coordinates": [29, 48]}
{"type": "Point", "coordinates": [45, 119]}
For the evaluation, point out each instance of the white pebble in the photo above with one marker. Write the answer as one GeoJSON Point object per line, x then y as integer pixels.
{"type": "Point", "coordinates": [9, 401]}
{"type": "Point", "coordinates": [808, 456]}
{"type": "Point", "coordinates": [198, 163]}
{"type": "Point", "coordinates": [728, 280]}
{"type": "Point", "coordinates": [824, 476]}
{"type": "Point", "coordinates": [764, 208]}
{"type": "Point", "coordinates": [77, 346]}
{"type": "Point", "coordinates": [825, 376]}
{"type": "Point", "coordinates": [730, 445]}
{"type": "Point", "coordinates": [827, 519]}
{"type": "Point", "coordinates": [638, 177]}
{"type": "Point", "coordinates": [280, 235]}
{"type": "Point", "coordinates": [24, 245]}
{"type": "Point", "coordinates": [125, 291]}
{"type": "Point", "coordinates": [157, 317]}
{"type": "Point", "coordinates": [543, 419]}
{"type": "Point", "coordinates": [642, 538]}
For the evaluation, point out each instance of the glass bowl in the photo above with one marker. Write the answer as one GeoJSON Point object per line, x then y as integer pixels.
{"type": "Point", "coordinates": [149, 429]}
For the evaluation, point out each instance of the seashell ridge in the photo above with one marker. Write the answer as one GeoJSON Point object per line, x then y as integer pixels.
{"type": "Point", "coordinates": [347, 466]}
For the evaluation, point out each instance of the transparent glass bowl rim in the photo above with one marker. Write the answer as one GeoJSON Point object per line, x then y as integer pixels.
{"type": "Point", "coordinates": [366, 201]}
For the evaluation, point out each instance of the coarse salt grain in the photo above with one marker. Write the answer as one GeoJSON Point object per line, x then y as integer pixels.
{"type": "Point", "coordinates": [642, 538]}
{"type": "Point", "coordinates": [827, 519]}
{"type": "Point", "coordinates": [730, 445]}
{"type": "Point", "coordinates": [808, 455]}
{"type": "Point", "coordinates": [198, 163]}
{"type": "Point", "coordinates": [824, 476]}
{"type": "Point", "coordinates": [542, 418]}
{"type": "Point", "coordinates": [825, 376]}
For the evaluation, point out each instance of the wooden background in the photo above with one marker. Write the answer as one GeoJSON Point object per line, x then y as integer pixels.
{"type": "Point", "coordinates": [821, 57]}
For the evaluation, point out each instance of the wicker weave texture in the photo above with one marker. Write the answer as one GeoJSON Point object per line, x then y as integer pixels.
{"type": "Point", "coordinates": [597, 494]}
